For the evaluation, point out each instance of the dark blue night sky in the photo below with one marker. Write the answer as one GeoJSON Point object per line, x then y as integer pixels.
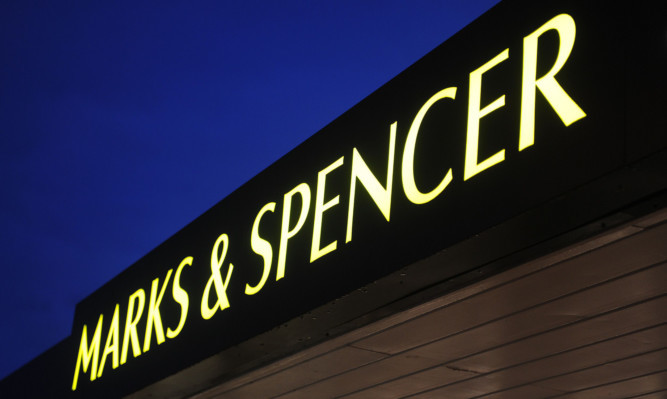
{"type": "Point", "coordinates": [121, 122]}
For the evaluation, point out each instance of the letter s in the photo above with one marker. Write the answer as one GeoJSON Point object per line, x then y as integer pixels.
{"type": "Point", "coordinates": [181, 297]}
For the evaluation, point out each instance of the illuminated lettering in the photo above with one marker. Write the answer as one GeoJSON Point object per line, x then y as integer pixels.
{"type": "Point", "coordinates": [111, 346]}
{"type": "Point", "coordinates": [154, 318]}
{"type": "Point", "coordinates": [181, 297]}
{"type": "Point", "coordinates": [88, 355]}
{"type": "Point", "coordinates": [261, 247]}
{"type": "Point", "coordinates": [320, 207]}
{"type": "Point", "coordinates": [472, 166]}
{"type": "Point", "coordinates": [216, 279]}
{"type": "Point", "coordinates": [361, 172]}
{"type": "Point", "coordinates": [130, 332]}
{"type": "Point", "coordinates": [408, 176]}
{"type": "Point", "coordinates": [285, 232]}
{"type": "Point", "coordinates": [568, 111]}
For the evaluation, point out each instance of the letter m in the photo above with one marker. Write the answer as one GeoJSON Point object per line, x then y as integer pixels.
{"type": "Point", "coordinates": [88, 353]}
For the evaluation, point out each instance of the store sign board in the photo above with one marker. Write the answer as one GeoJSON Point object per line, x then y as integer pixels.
{"type": "Point", "coordinates": [516, 109]}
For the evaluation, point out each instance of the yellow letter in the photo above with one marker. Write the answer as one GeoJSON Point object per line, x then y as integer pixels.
{"type": "Point", "coordinates": [320, 207]}
{"type": "Point", "coordinates": [87, 354]}
{"type": "Point", "coordinates": [409, 185]}
{"type": "Point", "coordinates": [380, 195]}
{"type": "Point", "coordinates": [568, 111]}
{"type": "Point", "coordinates": [181, 297]}
{"type": "Point", "coordinates": [154, 317]}
{"type": "Point", "coordinates": [472, 167]}
{"type": "Point", "coordinates": [130, 332]}
{"type": "Point", "coordinates": [111, 346]}
{"type": "Point", "coordinates": [261, 247]}
{"type": "Point", "coordinates": [285, 233]}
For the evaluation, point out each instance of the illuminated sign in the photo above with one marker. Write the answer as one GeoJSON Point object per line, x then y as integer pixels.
{"type": "Point", "coordinates": [527, 124]}
{"type": "Point", "coordinates": [313, 204]}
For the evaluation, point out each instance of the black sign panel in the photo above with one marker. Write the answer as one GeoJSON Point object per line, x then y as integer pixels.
{"type": "Point", "coordinates": [523, 106]}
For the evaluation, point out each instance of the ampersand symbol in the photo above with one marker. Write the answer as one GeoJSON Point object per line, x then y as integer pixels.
{"type": "Point", "coordinates": [216, 280]}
